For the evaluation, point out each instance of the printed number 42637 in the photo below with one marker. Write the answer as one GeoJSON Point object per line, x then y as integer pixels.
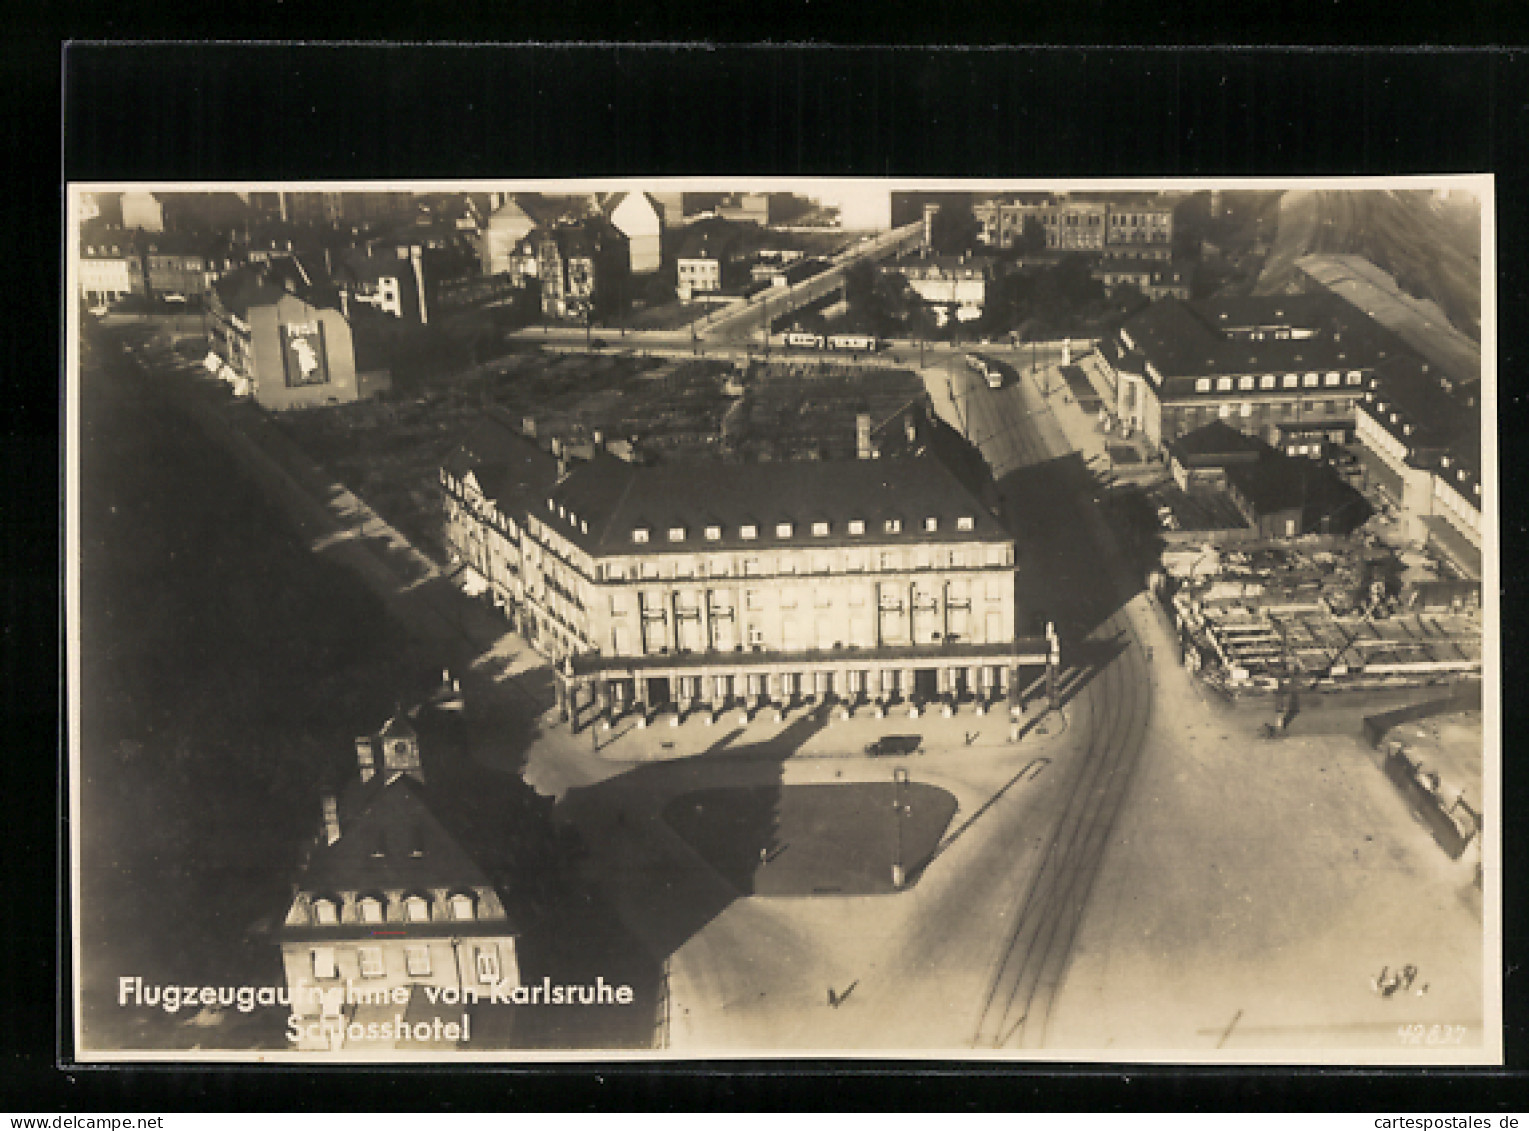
{"type": "Point", "coordinates": [1430, 1034]}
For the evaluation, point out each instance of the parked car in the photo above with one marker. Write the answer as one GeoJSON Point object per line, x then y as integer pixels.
{"type": "Point", "coordinates": [895, 744]}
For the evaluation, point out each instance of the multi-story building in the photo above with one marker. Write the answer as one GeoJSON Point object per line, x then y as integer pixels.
{"type": "Point", "coordinates": [582, 269]}
{"type": "Point", "coordinates": [1075, 224]}
{"type": "Point", "coordinates": [389, 910]}
{"type": "Point", "coordinates": [183, 265]}
{"type": "Point", "coordinates": [504, 233]}
{"type": "Point", "coordinates": [704, 262]}
{"type": "Point", "coordinates": [109, 265]}
{"type": "Point", "coordinates": [640, 218]}
{"type": "Point", "coordinates": [490, 482]}
{"type": "Point", "coordinates": [386, 282]}
{"type": "Point", "coordinates": [1261, 363]}
{"type": "Point", "coordinates": [1420, 445]}
{"type": "Point", "coordinates": [750, 583]}
{"type": "Point", "coordinates": [957, 284]}
{"type": "Point", "coordinates": [1139, 222]}
{"type": "Point", "coordinates": [286, 350]}
{"type": "Point", "coordinates": [1154, 278]}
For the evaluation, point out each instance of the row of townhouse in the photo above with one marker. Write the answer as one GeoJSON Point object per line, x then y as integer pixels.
{"type": "Point", "coordinates": [1075, 224]}
{"type": "Point", "coordinates": [180, 267]}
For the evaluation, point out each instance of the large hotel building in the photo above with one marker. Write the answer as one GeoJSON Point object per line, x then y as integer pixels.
{"type": "Point", "coordinates": [709, 585]}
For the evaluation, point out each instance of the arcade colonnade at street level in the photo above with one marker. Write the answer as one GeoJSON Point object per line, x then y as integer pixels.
{"type": "Point", "coordinates": [591, 690]}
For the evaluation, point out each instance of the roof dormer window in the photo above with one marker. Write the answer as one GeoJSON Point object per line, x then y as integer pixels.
{"type": "Point", "coordinates": [748, 532]}
{"type": "Point", "coordinates": [966, 522]}
{"type": "Point", "coordinates": [931, 524]}
{"type": "Point", "coordinates": [783, 529]}
{"type": "Point", "coordinates": [676, 534]}
{"type": "Point", "coordinates": [714, 534]}
{"type": "Point", "coordinates": [857, 526]}
{"type": "Point", "coordinates": [894, 526]}
{"type": "Point", "coordinates": [820, 530]}
{"type": "Point", "coordinates": [640, 535]}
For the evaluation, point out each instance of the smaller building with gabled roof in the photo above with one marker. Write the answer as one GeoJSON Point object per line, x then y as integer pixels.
{"type": "Point", "coordinates": [640, 218]}
{"type": "Point", "coordinates": [394, 929]}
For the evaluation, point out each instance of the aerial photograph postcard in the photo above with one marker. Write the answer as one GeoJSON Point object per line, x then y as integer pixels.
{"type": "Point", "coordinates": [703, 618]}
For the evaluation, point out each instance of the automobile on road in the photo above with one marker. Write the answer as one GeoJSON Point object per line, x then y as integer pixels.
{"type": "Point", "coordinates": [895, 744]}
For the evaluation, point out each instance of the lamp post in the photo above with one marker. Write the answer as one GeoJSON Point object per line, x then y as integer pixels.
{"type": "Point", "coordinates": [899, 810]}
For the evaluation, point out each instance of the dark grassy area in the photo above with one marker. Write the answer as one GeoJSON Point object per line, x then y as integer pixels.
{"type": "Point", "coordinates": [225, 672]}
{"type": "Point", "coordinates": [812, 839]}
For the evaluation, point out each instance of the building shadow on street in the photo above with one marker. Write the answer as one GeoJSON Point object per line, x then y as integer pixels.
{"type": "Point", "coordinates": [636, 891]}
{"type": "Point", "coordinates": [1066, 575]}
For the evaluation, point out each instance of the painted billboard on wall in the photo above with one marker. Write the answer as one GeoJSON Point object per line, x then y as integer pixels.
{"type": "Point", "coordinates": [303, 357]}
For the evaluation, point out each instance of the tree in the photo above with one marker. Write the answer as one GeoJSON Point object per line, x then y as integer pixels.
{"type": "Point", "coordinates": [1032, 238]}
{"type": "Point", "coordinates": [953, 230]}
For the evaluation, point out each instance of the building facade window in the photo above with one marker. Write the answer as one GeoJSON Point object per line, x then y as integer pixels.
{"type": "Point", "coordinates": [488, 965]}
{"type": "Point", "coordinates": [325, 913]}
{"type": "Point", "coordinates": [370, 960]}
{"type": "Point", "coordinates": [417, 961]}
{"type": "Point", "coordinates": [417, 909]}
{"type": "Point", "coordinates": [323, 962]}
{"type": "Point", "coordinates": [1202, 385]}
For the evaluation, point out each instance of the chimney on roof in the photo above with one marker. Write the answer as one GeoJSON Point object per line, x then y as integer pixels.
{"type": "Point", "coordinates": [417, 263]}
{"type": "Point", "coordinates": [863, 435]}
{"type": "Point", "coordinates": [366, 757]}
{"type": "Point", "coordinates": [331, 808]}
{"type": "Point", "coordinates": [598, 437]}
{"type": "Point", "coordinates": [528, 426]}
{"type": "Point", "coordinates": [910, 428]}
{"type": "Point", "coordinates": [400, 749]}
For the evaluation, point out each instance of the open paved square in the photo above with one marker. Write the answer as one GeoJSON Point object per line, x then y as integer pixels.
{"type": "Point", "coordinates": [814, 839]}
